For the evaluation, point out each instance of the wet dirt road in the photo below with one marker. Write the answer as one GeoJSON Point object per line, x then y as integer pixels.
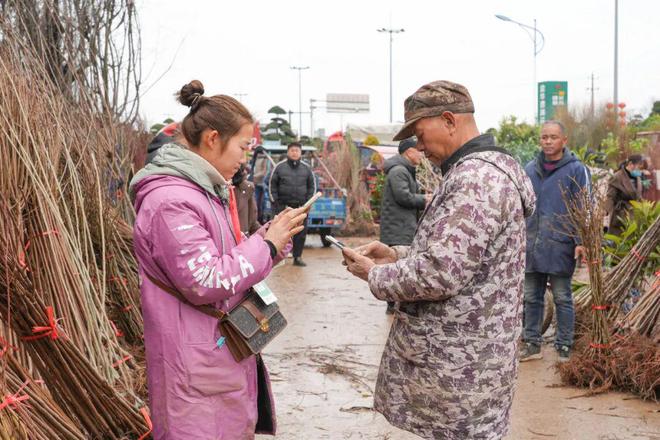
{"type": "Point", "coordinates": [324, 367]}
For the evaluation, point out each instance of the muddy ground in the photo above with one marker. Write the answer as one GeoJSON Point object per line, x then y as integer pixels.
{"type": "Point", "coordinates": [324, 367]}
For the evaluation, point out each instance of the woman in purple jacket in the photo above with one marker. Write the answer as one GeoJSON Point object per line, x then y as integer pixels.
{"type": "Point", "coordinates": [187, 237]}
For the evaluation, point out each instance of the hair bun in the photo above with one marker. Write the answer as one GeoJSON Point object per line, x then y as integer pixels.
{"type": "Point", "coordinates": [190, 94]}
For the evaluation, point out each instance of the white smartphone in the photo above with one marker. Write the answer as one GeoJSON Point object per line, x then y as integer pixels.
{"type": "Point", "coordinates": [312, 199]}
{"type": "Point", "coordinates": [335, 242]}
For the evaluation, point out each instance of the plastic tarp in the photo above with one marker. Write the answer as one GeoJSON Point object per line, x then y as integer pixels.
{"type": "Point", "coordinates": [384, 133]}
{"type": "Point", "coordinates": [386, 151]}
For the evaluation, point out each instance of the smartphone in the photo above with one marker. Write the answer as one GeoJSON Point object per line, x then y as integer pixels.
{"type": "Point", "coordinates": [312, 199]}
{"type": "Point", "coordinates": [335, 242]}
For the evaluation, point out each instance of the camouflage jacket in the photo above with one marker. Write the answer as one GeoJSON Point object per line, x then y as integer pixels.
{"type": "Point", "coordinates": [449, 365]}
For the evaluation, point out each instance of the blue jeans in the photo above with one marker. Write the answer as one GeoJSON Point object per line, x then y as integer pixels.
{"type": "Point", "coordinates": [535, 285]}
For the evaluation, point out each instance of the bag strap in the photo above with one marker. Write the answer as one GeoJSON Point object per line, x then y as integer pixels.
{"type": "Point", "coordinates": [254, 311]}
{"type": "Point", "coordinates": [256, 314]}
{"type": "Point", "coordinates": [207, 310]}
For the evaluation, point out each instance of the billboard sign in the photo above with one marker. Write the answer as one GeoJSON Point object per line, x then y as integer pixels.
{"type": "Point", "coordinates": [551, 95]}
{"type": "Point", "coordinates": [347, 103]}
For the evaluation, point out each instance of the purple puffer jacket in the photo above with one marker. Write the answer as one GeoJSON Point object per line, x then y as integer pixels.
{"type": "Point", "coordinates": [196, 388]}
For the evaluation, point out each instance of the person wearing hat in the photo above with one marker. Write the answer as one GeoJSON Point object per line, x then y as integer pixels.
{"type": "Point", "coordinates": [401, 199]}
{"type": "Point", "coordinates": [291, 184]}
{"type": "Point", "coordinates": [449, 364]}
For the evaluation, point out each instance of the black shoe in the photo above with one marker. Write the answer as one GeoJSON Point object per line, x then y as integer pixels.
{"type": "Point", "coordinates": [564, 353]}
{"type": "Point", "coordinates": [530, 352]}
{"type": "Point", "coordinates": [299, 262]}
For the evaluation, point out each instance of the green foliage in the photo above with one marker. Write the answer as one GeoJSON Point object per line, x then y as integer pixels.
{"type": "Point", "coordinates": [638, 145]}
{"type": "Point", "coordinates": [638, 220]}
{"type": "Point", "coordinates": [513, 132]}
{"type": "Point", "coordinates": [606, 157]}
{"type": "Point", "coordinates": [656, 108]}
{"type": "Point", "coordinates": [278, 129]}
{"type": "Point", "coordinates": [523, 152]}
{"type": "Point", "coordinates": [159, 126]}
{"type": "Point", "coordinates": [519, 138]}
{"type": "Point", "coordinates": [277, 110]}
{"type": "Point", "coordinates": [376, 197]}
{"type": "Point", "coordinates": [652, 123]}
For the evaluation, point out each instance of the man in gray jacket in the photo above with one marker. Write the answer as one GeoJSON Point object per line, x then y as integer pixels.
{"type": "Point", "coordinates": [401, 201]}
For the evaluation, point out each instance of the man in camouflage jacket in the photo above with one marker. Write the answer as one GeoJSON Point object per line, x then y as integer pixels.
{"type": "Point", "coordinates": [449, 365]}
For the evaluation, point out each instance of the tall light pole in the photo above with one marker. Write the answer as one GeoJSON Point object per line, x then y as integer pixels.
{"type": "Point", "coordinates": [299, 69]}
{"type": "Point", "coordinates": [616, 54]}
{"type": "Point", "coordinates": [391, 32]}
{"type": "Point", "coordinates": [533, 32]}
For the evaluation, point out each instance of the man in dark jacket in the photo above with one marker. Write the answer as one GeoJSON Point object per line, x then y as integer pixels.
{"type": "Point", "coordinates": [292, 184]}
{"type": "Point", "coordinates": [401, 201]}
{"type": "Point", "coordinates": [552, 247]}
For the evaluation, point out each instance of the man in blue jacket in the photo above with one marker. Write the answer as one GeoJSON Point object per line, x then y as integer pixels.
{"type": "Point", "coordinates": [552, 247]}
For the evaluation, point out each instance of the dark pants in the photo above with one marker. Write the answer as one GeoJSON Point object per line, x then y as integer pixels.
{"type": "Point", "coordinates": [259, 197]}
{"type": "Point", "coordinates": [299, 243]}
{"type": "Point", "coordinates": [299, 238]}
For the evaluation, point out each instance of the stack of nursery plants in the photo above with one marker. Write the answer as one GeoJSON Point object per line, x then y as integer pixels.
{"type": "Point", "coordinates": [614, 350]}
{"type": "Point", "coordinates": [71, 362]}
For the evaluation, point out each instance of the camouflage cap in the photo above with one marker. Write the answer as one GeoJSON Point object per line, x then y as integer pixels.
{"type": "Point", "coordinates": [433, 99]}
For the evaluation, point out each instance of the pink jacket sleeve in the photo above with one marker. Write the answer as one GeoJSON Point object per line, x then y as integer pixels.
{"type": "Point", "coordinates": [193, 262]}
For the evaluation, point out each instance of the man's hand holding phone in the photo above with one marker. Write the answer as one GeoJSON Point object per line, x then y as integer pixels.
{"type": "Point", "coordinates": [357, 264]}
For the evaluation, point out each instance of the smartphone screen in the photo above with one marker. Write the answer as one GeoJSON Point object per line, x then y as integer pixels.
{"type": "Point", "coordinates": [335, 242]}
{"type": "Point", "coordinates": [312, 199]}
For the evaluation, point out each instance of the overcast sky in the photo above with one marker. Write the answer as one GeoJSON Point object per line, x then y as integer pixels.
{"type": "Point", "coordinates": [249, 46]}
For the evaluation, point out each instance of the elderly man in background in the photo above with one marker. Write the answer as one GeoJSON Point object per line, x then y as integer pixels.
{"type": "Point", "coordinates": [402, 202]}
{"type": "Point", "coordinates": [449, 365]}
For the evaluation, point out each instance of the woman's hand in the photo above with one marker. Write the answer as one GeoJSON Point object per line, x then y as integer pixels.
{"type": "Point", "coordinates": [378, 252]}
{"type": "Point", "coordinates": [285, 225]}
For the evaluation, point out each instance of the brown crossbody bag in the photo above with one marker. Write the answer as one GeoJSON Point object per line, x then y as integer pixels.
{"type": "Point", "coordinates": [247, 328]}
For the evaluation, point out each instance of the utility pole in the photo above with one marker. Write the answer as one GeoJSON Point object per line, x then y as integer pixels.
{"type": "Point", "coordinates": [311, 118]}
{"type": "Point", "coordinates": [592, 89]}
{"type": "Point", "coordinates": [299, 69]}
{"type": "Point", "coordinates": [391, 31]}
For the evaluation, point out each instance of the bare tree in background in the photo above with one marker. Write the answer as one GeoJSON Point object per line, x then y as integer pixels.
{"type": "Point", "coordinates": [90, 49]}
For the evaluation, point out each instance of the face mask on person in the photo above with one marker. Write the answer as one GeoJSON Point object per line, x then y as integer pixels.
{"type": "Point", "coordinates": [636, 173]}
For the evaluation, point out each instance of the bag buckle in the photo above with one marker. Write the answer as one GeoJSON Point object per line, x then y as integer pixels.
{"type": "Point", "coordinates": [265, 326]}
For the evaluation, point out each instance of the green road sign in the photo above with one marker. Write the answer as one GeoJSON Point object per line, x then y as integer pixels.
{"type": "Point", "coordinates": [551, 94]}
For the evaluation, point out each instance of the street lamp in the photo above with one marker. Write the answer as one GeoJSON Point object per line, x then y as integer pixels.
{"type": "Point", "coordinates": [299, 69]}
{"type": "Point", "coordinates": [616, 52]}
{"type": "Point", "coordinates": [391, 31]}
{"type": "Point", "coordinates": [532, 31]}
